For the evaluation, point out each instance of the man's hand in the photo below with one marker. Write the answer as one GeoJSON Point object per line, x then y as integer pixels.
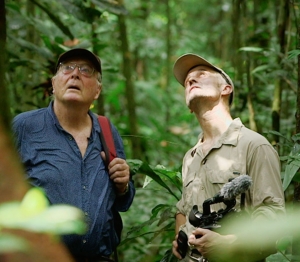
{"type": "Point", "coordinates": [119, 173]}
{"type": "Point", "coordinates": [212, 245]}
{"type": "Point", "coordinates": [175, 247]}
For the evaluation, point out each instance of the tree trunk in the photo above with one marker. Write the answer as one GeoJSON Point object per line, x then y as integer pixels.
{"type": "Point", "coordinates": [283, 25]}
{"type": "Point", "coordinates": [296, 240]}
{"type": "Point", "coordinates": [169, 102]}
{"type": "Point", "coordinates": [130, 92]}
{"type": "Point", "coordinates": [252, 122]}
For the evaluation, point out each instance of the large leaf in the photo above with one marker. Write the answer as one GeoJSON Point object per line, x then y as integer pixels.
{"type": "Point", "coordinates": [34, 214]}
{"type": "Point", "coordinates": [141, 167]}
{"type": "Point", "coordinates": [173, 176]}
{"type": "Point", "coordinates": [290, 171]}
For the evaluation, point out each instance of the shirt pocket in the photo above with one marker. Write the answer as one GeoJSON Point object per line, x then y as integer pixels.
{"type": "Point", "coordinates": [191, 191]}
{"type": "Point", "coordinates": [220, 177]}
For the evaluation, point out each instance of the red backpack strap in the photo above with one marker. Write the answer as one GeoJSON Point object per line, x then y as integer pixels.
{"type": "Point", "coordinates": [106, 138]}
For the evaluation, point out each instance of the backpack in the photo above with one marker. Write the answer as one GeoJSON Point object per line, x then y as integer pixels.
{"type": "Point", "coordinates": [108, 144]}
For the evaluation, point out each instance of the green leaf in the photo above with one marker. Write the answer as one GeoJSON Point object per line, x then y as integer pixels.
{"type": "Point", "coordinates": [111, 6]}
{"type": "Point", "coordinates": [78, 10]}
{"type": "Point", "coordinates": [11, 215]}
{"type": "Point", "coordinates": [157, 209]}
{"type": "Point", "coordinates": [296, 177]}
{"type": "Point", "coordinates": [296, 137]}
{"type": "Point", "coordinates": [283, 243]}
{"type": "Point", "coordinates": [139, 166]}
{"type": "Point", "coordinates": [135, 165]}
{"type": "Point", "coordinates": [272, 132]}
{"type": "Point", "coordinates": [11, 243]}
{"type": "Point", "coordinates": [58, 219]}
{"type": "Point", "coordinates": [173, 176]}
{"type": "Point", "coordinates": [55, 19]}
{"type": "Point", "coordinates": [166, 215]}
{"type": "Point", "coordinates": [169, 256]}
{"type": "Point", "coordinates": [34, 202]}
{"type": "Point", "coordinates": [141, 226]}
{"type": "Point", "coordinates": [251, 49]}
{"type": "Point", "coordinates": [293, 54]}
{"type": "Point", "coordinates": [290, 171]}
{"type": "Point", "coordinates": [43, 52]}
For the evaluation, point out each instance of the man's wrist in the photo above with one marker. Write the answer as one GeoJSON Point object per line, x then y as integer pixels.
{"type": "Point", "coordinates": [125, 190]}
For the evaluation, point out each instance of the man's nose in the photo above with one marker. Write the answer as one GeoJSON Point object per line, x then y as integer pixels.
{"type": "Point", "coordinates": [191, 81]}
{"type": "Point", "coordinates": [76, 72]}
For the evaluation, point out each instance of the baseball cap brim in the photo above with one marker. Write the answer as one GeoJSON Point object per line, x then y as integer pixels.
{"type": "Point", "coordinates": [188, 61]}
{"type": "Point", "coordinates": [83, 53]}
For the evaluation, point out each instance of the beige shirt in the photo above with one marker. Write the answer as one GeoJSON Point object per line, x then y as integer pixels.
{"type": "Point", "coordinates": [238, 151]}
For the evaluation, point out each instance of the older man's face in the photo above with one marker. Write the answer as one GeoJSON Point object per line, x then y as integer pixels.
{"type": "Point", "coordinates": [72, 84]}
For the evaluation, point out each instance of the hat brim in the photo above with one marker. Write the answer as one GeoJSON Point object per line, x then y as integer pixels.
{"type": "Point", "coordinates": [188, 61]}
{"type": "Point", "coordinates": [80, 52]}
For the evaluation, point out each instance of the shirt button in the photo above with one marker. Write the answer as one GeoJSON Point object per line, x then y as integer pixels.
{"type": "Point", "coordinates": [70, 138]}
{"type": "Point", "coordinates": [86, 213]}
{"type": "Point", "coordinates": [83, 241]}
{"type": "Point", "coordinates": [202, 187]}
{"type": "Point", "coordinates": [84, 187]}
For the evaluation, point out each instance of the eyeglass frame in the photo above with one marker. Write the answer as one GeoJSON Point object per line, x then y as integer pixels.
{"type": "Point", "coordinates": [79, 68]}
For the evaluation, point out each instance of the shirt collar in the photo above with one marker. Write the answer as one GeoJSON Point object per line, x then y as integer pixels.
{"type": "Point", "coordinates": [56, 122]}
{"type": "Point", "coordinates": [230, 136]}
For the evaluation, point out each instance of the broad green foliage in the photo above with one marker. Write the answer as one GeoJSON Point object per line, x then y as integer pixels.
{"type": "Point", "coordinates": [33, 213]}
{"type": "Point", "coordinates": [153, 226]}
{"type": "Point", "coordinates": [292, 160]}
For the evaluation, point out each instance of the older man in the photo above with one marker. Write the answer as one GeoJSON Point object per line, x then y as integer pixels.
{"type": "Point", "coordinates": [225, 150]}
{"type": "Point", "coordinates": [62, 153]}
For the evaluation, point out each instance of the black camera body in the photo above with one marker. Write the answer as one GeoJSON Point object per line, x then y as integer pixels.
{"type": "Point", "coordinates": [211, 220]}
{"type": "Point", "coordinates": [207, 219]}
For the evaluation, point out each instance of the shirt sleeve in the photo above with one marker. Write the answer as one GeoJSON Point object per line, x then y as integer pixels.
{"type": "Point", "coordinates": [180, 204]}
{"type": "Point", "coordinates": [266, 192]}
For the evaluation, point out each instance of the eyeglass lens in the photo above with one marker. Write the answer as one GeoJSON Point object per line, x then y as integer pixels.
{"type": "Point", "coordinates": [84, 69]}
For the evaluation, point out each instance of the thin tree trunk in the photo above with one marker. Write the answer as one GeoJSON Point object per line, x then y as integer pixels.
{"type": "Point", "coordinates": [283, 25]}
{"type": "Point", "coordinates": [169, 102]}
{"type": "Point", "coordinates": [296, 240]}
{"type": "Point", "coordinates": [252, 122]}
{"type": "Point", "coordinates": [130, 92]}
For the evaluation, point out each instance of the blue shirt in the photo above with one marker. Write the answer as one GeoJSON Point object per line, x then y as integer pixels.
{"type": "Point", "coordinates": [54, 162]}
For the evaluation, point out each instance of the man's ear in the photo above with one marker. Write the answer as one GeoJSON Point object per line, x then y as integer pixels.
{"type": "Point", "coordinates": [227, 90]}
{"type": "Point", "coordinates": [98, 91]}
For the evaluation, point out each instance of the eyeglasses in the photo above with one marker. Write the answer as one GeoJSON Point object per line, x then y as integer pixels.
{"type": "Point", "coordinates": [84, 69]}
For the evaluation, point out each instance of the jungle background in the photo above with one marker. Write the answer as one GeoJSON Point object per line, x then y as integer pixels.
{"type": "Point", "coordinates": [256, 42]}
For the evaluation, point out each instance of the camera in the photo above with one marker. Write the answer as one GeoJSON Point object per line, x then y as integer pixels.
{"type": "Point", "coordinates": [211, 220]}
